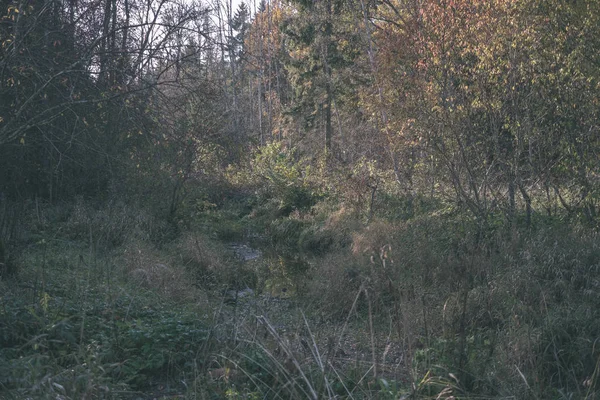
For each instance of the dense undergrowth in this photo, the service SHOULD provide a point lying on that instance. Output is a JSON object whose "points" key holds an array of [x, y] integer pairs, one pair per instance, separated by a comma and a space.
{"points": [[354, 297]]}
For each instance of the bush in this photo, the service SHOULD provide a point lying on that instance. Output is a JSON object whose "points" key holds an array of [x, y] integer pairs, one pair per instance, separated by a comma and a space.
{"points": [[285, 178], [335, 283]]}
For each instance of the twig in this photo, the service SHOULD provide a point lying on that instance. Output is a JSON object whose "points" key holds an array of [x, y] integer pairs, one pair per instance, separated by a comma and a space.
{"points": [[288, 352]]}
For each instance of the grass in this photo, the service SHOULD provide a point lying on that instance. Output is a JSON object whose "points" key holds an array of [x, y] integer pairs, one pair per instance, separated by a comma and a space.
{"points": [[73, 327], [422, 307]]}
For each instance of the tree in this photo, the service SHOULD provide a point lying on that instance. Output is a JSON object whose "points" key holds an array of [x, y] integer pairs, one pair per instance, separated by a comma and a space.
{"points": [[265, 55], [66, 94], [321, 42]]}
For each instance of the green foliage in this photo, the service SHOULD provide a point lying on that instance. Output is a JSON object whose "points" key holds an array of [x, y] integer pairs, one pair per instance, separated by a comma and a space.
{"points": [[314, 239], [111, 224], [286, 231], [8, 266], [225, 224], [156, 343], [77, 323], [285, 178], [257, 364]]}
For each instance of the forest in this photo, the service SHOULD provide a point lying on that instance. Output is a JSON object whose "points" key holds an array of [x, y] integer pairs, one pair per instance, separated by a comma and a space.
{"points": [[299, 199]]}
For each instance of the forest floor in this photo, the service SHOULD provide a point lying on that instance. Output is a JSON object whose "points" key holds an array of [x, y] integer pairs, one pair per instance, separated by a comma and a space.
{"points": [[133, 323], [100, 305]]}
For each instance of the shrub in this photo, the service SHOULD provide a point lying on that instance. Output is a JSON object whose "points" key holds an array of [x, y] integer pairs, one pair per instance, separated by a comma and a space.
{"points": [[284, 178], [335, 283]]}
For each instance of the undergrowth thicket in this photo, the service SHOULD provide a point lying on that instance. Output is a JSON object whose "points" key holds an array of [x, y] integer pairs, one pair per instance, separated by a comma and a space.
{"points": [[355, 296]]}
